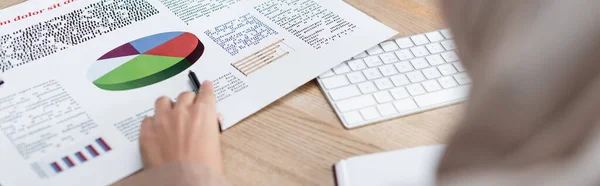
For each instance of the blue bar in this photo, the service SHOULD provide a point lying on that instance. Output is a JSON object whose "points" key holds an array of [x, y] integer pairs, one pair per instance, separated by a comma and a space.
{"points": [[102, 145], [67, 162], [91, 151], [80, 158], [55, 168]]}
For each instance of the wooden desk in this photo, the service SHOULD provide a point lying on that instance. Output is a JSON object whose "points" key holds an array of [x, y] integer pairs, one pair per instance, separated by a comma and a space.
{"points": [[296, 140]]}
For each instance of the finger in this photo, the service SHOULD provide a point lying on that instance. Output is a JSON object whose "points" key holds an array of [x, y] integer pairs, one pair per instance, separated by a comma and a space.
{"points": [[220, 118], [145, 130], [145, 127], [185, 99], [163, 104], [144, 140], [206, 94]]}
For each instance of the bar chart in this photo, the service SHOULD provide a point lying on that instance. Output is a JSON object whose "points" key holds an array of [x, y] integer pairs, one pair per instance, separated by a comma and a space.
{"points": [[263, 57], [55, 165]]}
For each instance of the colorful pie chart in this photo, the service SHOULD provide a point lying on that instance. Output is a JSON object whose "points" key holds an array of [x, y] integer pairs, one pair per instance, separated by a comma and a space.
{"points": [[146, 61]]}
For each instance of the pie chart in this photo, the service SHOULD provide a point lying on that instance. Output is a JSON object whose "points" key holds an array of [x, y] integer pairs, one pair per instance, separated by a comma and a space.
{"points": [[145, 61]]}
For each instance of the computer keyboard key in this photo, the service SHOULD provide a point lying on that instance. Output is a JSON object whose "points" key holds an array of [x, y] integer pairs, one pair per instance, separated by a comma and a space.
{"points": [[450, 56], [329, 73], [448, 82], [434, 36], [415, 76], [342, 69], [335, 82], [448, 45], [372, 73], [419, 63], [419, 39], [387, 109], [353, 117], [400, 80], [344, 92], [435, 60], [463, 78], [442, 96], [459, 66], [356, 77], [389, 46], [415, 89], [370, 113], [375, 50], [358, 64], [431, 85], [405, 105], [367, 87], [435, 48], [447, 34], [384, 83], [356, 103], [361, 55], [419, 51], [388, 70], [431, 73], [447, 69], [373, 61], [404, 66], [383, 97], [404, 55], [404, 43], [399, 93], [388, 58]]}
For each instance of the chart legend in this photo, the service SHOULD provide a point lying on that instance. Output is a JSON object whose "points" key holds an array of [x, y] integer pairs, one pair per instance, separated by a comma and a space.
{"points": [[146, 61]]}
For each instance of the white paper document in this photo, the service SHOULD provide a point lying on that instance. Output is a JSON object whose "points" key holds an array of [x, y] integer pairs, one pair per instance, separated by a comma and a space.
{"points": [[80, 75], [406, 167]]}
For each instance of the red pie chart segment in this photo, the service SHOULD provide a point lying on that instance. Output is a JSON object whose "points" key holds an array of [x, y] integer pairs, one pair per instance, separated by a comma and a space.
{"points": [[176, 47]]}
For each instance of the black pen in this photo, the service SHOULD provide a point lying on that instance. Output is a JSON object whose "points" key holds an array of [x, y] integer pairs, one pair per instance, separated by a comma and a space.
{"points": [[195, 83]]}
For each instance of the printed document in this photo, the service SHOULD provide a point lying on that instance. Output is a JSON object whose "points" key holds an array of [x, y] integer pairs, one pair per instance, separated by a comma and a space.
{"points": [[80, 75]]}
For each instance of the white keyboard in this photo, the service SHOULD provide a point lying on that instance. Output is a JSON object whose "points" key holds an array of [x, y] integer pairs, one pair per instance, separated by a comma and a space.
{"points": [[397, 78]]}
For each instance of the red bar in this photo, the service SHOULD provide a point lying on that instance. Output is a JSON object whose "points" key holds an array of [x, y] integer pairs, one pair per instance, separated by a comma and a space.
{"points": [[57, 166], [94, 150], [105, 144], [82, 156], [70, 162]]}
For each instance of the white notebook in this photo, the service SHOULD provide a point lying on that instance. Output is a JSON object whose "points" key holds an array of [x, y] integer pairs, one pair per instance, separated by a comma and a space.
{"points": [[415, 166]]}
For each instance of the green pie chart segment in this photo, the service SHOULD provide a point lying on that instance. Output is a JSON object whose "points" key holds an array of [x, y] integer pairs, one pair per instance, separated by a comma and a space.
{"points": [[141, 71], [146, 61]]}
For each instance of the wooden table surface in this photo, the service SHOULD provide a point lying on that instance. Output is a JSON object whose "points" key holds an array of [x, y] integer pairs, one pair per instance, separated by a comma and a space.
{"points": [[297, 139]]}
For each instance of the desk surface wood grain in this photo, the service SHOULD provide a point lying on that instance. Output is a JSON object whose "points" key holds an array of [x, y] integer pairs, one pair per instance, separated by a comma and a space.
{"points": [[297, 139]]}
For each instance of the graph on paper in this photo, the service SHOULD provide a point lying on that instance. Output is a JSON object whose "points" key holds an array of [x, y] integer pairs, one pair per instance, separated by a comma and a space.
{"points": [[263, 57], [72, 158], [146, 61]]}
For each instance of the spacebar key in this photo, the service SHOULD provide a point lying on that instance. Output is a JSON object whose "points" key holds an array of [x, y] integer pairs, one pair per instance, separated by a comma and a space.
{"points": [[443, 96]]}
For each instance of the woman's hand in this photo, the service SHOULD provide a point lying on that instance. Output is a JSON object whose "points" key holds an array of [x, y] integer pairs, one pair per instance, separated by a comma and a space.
{"points": [[185, 131]]}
